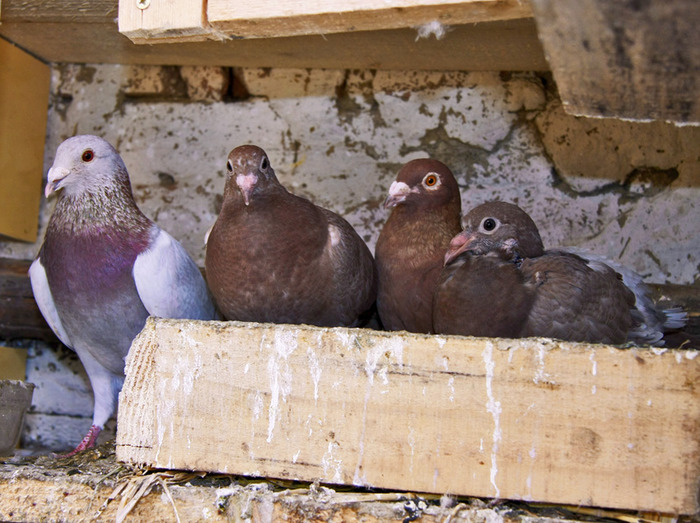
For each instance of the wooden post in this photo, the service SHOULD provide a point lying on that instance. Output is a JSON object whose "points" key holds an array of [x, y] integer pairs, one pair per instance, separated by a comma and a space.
{"points": [[528, 419], [24, 101]]}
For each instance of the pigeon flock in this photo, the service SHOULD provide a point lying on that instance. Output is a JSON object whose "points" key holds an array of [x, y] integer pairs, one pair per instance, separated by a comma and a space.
{"points": [[272, 256]]}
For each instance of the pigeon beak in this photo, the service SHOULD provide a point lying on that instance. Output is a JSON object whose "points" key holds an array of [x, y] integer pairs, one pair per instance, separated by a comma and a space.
{"points": [[54, 178], [246, 184], [397, 194], [459, 244]]}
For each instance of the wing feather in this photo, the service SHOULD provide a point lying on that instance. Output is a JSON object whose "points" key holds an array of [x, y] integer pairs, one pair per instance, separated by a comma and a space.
{"points": [[169, 282]]}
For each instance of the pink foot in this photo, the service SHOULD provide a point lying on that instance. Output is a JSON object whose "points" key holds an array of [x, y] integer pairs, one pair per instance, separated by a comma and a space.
{"points": [[88, 442]]}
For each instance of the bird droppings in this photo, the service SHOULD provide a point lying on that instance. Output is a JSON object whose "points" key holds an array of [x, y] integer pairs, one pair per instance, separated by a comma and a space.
{"points": [[494, 408]]}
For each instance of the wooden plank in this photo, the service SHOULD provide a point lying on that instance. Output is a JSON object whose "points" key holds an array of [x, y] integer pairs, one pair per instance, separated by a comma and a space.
{"points": [[24, 99], [92, 36], [636, 60], [19, 314], [530, 419], [13, 363], [150, 21], [93, 487], [292, 17]]}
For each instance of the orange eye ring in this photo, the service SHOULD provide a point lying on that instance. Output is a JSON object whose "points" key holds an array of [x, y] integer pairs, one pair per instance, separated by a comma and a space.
{"points": [[88, 155], [430, 180]]}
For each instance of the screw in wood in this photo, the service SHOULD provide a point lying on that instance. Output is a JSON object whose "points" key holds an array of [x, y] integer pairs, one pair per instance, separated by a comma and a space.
{"points": [[143, 4]]}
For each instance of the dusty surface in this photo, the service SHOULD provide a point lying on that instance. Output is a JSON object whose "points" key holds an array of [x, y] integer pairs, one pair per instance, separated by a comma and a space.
{"points": [[93, 486]]}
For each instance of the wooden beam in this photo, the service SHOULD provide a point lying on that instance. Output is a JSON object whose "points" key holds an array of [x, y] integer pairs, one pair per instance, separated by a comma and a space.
{"points": [[19, 314], [90, 35], [291, 18], [93, 487], [530, 419], [634, 60], [157, 21]]}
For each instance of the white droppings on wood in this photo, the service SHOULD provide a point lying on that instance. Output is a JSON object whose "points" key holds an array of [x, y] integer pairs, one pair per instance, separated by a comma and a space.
{"points": [[691, 354], [314, 368], [332, 464], [594, 363], [393, 348], [279, 373], [494, 408], [540, 375], [451, 388], [445, 363]]}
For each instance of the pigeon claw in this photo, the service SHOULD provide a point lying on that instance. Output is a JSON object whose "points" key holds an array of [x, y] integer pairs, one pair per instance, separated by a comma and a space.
{"points": [[88, 442]]}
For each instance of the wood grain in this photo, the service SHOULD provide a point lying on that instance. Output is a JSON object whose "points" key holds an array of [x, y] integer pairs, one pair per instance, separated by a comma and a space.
{"points": [[292, 18], [530, 419], [635, 60]]}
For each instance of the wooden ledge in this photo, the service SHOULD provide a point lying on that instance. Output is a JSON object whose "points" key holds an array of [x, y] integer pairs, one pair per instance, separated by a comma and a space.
{"points": [[532, 419]]}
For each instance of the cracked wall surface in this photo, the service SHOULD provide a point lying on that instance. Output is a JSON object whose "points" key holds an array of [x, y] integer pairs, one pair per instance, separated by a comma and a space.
{"points": [[626, 190], [623, 189]]}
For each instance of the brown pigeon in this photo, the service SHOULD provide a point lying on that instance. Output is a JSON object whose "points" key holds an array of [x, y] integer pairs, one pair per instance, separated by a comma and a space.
{"points": [[276, 257], [533, 292], [104, 267], [411, 247]]}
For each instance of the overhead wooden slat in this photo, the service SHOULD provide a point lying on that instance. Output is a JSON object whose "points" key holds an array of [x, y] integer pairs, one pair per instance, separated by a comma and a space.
{"points": [[89, 34], [292, 17]]}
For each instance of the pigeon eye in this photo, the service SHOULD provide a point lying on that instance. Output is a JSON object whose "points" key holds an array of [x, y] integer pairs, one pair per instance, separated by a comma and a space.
{"points": [[430, 180], [229, 166], [88, 155], [489, 224], [264, 164]]}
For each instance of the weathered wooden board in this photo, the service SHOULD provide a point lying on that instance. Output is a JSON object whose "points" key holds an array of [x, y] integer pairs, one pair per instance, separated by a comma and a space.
{"points": [[148, 21], [24, 100], [157, 21], [20, 316], [87, 33], [529, 419], [92, 487], [294, 17], [624, 59]]}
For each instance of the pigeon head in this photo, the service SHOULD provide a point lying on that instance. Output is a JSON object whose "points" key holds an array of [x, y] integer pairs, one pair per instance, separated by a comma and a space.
{"points": [[499, 228], [423, 183], [85, 164], [249, 171]]}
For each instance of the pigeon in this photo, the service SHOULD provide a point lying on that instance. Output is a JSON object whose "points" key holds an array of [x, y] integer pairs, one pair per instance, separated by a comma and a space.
{"points": [[104, 267], [426, 212], [274, 257], [532, 292]]}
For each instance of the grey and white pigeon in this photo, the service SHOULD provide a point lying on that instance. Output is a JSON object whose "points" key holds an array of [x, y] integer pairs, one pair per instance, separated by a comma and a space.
{"points": [[275, 257], [499, 278], [104, 267], [426, 212]]}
